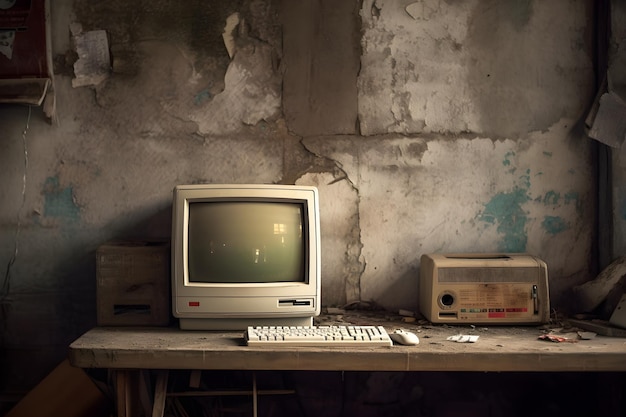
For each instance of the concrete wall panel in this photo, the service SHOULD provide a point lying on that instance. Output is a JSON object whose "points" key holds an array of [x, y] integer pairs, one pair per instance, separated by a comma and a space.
{"points": [[420, 196], [478, 66]]}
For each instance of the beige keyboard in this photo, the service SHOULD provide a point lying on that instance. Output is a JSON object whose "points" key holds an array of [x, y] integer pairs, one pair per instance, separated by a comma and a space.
{"points": [[317, 336]]}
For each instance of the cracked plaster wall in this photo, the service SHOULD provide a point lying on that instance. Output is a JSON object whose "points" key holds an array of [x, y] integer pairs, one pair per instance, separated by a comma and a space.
{"points": [[427, 126]]}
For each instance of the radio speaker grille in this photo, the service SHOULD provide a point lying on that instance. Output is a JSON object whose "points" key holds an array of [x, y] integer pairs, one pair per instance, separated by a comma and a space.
{"points": [[487, 275]]}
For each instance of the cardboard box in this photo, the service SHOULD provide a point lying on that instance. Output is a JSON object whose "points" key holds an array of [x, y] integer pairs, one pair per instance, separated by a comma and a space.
{"points": [[133, 283], [67, 391]]}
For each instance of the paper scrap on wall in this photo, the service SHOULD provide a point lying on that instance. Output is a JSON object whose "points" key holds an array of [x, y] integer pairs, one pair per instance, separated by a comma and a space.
{"points": [[609, 124], [94, 61]]}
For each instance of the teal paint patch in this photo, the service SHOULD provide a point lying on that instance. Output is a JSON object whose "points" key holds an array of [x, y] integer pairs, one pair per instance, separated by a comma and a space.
{"points": [[554, 224], [507, 162], [571, 196], [526, 179], [574, 197], [548, 154], [505, 210], [551, 198], [202, 97], [59, 202]]}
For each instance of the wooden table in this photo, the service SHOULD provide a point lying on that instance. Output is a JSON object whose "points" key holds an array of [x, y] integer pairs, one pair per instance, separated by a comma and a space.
{"points": [[498, 349], [508, 349]]}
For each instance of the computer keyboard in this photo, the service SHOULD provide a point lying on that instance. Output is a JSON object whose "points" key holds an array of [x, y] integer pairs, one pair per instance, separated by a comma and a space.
{"points": [[317, 336]]}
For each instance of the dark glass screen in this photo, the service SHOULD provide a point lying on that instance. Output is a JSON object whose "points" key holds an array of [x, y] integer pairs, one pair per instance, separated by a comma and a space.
{"points": [[246, 242]]}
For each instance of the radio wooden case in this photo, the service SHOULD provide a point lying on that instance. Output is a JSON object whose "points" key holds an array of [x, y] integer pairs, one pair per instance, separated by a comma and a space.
{"points": [[484, 289]]}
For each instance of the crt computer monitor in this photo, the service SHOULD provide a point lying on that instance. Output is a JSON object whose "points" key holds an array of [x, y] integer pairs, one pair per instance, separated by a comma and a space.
{"points": [[245, 255]]}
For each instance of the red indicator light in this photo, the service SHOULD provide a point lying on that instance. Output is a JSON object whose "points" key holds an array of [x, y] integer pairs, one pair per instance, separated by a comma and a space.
{"points": [[194, 304]]}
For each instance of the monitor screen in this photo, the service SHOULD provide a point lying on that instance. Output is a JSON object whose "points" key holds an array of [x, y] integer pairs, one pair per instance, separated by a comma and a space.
{"points": [[246, 242]]}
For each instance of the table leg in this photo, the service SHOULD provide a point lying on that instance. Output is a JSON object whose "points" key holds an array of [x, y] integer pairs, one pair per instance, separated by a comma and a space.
{"points": [[122, 387], [160, 394], [254, 396]]}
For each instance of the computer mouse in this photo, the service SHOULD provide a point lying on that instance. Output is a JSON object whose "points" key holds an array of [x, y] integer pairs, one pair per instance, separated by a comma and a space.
{"points": [[404, 338]]}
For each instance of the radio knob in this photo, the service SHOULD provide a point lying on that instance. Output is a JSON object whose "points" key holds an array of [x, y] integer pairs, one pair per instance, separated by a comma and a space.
{"points": [[447, 300]]}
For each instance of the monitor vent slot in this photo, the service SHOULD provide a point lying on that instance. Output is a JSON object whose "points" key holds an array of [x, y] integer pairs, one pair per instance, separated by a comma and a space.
{"points": [[295, 302]]}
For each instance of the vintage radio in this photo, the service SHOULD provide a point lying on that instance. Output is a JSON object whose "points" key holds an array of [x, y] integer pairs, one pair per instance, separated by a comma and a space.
{"points": [[484, 289]]}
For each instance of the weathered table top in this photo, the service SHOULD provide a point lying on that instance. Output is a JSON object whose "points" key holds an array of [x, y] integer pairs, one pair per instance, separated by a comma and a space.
{"points": [[501, 348]]}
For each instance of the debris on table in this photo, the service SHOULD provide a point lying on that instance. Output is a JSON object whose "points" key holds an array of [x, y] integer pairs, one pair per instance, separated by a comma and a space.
{"points": [[463, 338], [587, 335], [556, 339]]}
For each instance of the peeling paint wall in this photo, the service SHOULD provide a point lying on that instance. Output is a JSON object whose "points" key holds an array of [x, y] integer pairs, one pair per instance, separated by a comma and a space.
{"points": [[427, 126], [475, 66], [420, 196]]}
